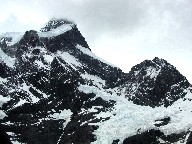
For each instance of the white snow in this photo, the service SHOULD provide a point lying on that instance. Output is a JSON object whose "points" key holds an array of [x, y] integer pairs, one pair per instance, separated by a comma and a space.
{"points": [[3, 80], [94, 109], [152, 72], [40, 92], [16, 142], [32, 98], [89, 53], [61, 115], [41, 65], [71, 60], [2, 114], [90, 89], [181, 116], [65, 114], [127, 119], [96, 81], [48, 58], [162, 141], [13, 139], [8, 123], [55, 32], [131, 88], [7, 59], [104, 115], [21, 102], [3, 100], [16, 36]]}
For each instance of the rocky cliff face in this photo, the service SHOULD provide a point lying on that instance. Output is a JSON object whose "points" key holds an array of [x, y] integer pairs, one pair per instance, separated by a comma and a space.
{"points": [[155, 83], [54, 90]]}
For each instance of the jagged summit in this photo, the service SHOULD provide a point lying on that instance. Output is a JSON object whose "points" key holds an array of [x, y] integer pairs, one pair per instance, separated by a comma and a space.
{"points": [[154, 83], [56, 35], [156, 63], [54, 90], [160, 61], [55, 23]]}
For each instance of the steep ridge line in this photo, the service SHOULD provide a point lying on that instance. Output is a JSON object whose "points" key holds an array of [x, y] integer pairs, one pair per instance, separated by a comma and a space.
{"points": [[55, 90]]}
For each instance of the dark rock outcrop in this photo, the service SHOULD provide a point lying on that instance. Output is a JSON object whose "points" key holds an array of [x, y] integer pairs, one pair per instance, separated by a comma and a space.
{"points": [[56, 87], [4, 138], [155, 83]]}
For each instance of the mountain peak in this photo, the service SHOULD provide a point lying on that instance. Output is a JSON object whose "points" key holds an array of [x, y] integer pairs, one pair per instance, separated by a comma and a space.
{"points": [[55, 23], [159, 61], [156, 82], [55, 90]]}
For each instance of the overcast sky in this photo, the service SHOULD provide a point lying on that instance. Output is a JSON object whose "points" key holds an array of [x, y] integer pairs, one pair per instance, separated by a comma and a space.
{"points": [[123, 32]]}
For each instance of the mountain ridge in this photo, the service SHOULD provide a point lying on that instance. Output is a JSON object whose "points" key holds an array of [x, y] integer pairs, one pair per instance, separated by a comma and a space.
{"points": [[58, 91]]}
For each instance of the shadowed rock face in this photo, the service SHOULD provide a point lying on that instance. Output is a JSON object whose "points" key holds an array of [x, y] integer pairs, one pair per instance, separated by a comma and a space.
{"points": [[156, 137], [155, 83], [67, 40], [4, 138], [60, 92], [144, 138]]}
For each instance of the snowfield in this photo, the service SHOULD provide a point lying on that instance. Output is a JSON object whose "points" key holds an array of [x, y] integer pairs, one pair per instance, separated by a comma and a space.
{"points": [[15, 37], [91, 54], [7, 59], [128, 119]]}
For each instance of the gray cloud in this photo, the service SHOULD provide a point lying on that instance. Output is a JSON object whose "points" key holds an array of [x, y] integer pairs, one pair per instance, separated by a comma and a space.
{"points": [[94, 17], [98, 17], [129, 31], [112, 17]]}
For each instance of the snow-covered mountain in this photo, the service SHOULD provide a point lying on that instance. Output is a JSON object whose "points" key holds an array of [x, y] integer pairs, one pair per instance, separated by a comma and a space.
{"points": [[54, 90]]}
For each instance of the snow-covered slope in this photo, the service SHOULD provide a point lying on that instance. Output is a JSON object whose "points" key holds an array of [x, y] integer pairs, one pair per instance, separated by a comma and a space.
{"points": [[11, 38], [55, 90]]}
